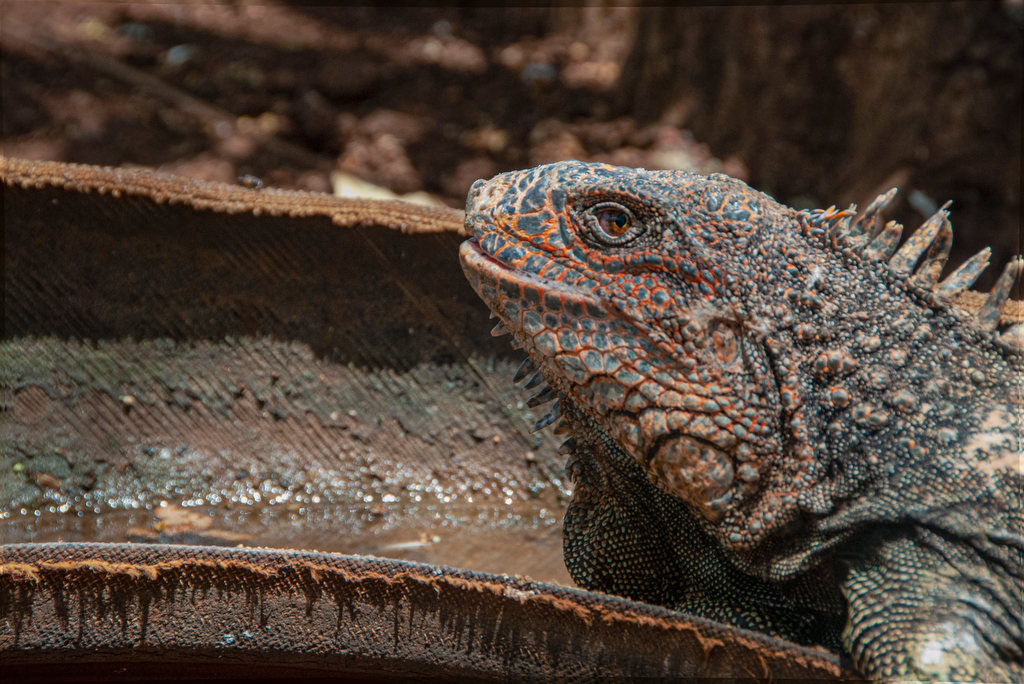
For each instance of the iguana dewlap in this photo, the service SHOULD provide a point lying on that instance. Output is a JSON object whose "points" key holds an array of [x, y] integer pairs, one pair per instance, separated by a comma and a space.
{"points": [[776, 419]]}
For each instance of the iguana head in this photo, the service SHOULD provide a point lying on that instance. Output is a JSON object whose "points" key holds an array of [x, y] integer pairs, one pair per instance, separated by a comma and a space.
{"points": [[695, 320], [794, 380], [629, 288]]}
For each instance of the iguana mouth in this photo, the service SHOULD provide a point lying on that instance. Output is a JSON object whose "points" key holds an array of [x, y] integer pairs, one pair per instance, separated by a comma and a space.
{"points": [[501, 284], [472, 253]]}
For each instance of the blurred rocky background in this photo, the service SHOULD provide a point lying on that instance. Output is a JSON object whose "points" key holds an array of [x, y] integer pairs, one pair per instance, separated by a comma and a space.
{"points": [[816, 105]]}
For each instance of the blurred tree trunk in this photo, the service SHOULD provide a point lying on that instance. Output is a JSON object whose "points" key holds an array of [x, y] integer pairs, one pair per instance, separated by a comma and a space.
{"points": [[833, 103]]}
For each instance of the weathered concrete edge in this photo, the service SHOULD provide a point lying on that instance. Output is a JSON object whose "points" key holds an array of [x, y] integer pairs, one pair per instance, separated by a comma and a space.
{"points": [[226, 198], [519, 605]]}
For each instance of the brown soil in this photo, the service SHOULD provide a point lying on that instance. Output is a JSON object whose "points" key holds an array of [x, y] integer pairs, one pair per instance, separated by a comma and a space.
{"points": [[411, 99]]}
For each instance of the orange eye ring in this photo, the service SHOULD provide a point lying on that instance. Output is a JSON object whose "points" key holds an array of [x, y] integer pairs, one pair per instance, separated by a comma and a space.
{"points": [[614, 224]]}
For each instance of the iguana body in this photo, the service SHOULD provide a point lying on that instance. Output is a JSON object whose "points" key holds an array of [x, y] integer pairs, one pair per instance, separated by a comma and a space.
{"points": [[775, 420]]}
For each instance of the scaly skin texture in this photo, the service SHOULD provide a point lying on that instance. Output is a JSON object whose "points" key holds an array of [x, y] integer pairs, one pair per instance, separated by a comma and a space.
{"points": [[775, 421]]}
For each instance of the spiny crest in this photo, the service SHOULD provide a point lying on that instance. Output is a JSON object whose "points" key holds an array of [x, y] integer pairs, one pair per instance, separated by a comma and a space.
{"points": [[867, 236], [528, 369]]}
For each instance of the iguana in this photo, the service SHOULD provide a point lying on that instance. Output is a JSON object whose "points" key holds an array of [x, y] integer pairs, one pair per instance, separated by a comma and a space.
{"points": [[73, 238], [775, 419]]}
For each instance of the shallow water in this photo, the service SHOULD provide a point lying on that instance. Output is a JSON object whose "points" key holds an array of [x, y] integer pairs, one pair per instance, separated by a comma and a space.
{"points": [[519, 540]]}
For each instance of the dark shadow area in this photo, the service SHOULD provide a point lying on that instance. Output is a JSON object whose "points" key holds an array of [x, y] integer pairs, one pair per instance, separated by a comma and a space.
{"points": [[86, 266]]}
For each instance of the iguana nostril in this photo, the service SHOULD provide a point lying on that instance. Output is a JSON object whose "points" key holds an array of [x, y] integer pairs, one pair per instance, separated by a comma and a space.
{"points": [[484, 195], [474, 194]]}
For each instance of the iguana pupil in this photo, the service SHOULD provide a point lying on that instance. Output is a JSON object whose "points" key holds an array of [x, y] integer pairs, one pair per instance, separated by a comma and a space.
{"points": [[614, 222]]}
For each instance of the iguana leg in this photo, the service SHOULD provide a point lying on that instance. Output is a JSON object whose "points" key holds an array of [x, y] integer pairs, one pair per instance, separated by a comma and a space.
{"points": [[921, 607]]}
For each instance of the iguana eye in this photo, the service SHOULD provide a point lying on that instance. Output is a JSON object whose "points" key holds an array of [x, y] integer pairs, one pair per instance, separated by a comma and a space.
{"points": [[614, 224]]}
